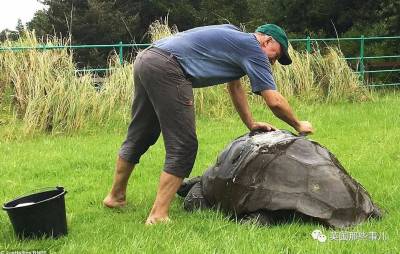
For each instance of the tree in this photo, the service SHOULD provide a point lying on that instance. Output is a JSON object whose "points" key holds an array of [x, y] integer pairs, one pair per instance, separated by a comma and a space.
{"points": [[41, 24], [7, 34], [20, 27], [12, 35], [391, 15]]}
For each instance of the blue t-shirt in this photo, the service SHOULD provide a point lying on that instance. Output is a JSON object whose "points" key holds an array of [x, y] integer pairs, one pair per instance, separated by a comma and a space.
{"points": [[217, 54]]}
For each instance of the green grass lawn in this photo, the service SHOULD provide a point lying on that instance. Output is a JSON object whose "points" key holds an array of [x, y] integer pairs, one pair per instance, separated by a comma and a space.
{"points": [[364, 136]]}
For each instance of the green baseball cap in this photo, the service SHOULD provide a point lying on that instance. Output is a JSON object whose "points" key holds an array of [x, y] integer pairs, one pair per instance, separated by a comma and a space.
{"points": [[280, 36]]}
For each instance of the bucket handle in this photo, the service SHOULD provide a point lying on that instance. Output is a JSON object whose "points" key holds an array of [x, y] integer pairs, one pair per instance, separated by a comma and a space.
{"points": [[39, 189]]}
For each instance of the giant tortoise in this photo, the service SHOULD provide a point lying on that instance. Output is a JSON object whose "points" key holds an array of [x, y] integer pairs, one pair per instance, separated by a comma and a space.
{"points": [[277, 176]]}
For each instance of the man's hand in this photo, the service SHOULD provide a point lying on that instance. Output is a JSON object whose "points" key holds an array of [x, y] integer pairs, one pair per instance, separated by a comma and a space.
{"points": [[281, 108], [261, 126], [304, 128]]}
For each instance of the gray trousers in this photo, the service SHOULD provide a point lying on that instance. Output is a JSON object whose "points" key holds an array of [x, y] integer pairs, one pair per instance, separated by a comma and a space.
{"points": [[163, 102]]}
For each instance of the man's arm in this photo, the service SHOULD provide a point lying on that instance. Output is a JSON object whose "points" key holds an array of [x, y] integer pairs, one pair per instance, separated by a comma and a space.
{"points": [[239, 100], [281, 109]]}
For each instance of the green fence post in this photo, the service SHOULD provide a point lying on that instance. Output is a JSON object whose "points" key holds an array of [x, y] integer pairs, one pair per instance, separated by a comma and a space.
{"points": [[362, 67], [308, 44], [121, 52]]}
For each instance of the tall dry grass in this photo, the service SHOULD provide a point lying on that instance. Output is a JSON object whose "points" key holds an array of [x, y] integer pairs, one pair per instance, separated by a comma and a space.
{"points": [[320, 77], [160, 29], [3, 83], [49, 96], [115, 96]]}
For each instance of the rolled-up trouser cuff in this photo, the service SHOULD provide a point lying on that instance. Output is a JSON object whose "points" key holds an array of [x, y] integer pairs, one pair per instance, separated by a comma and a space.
{"points": [[181, 166], [131, 152], [128, 157]]}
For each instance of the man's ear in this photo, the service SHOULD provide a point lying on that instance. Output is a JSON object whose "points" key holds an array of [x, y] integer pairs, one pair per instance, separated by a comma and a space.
{"points": [[267, 39]]}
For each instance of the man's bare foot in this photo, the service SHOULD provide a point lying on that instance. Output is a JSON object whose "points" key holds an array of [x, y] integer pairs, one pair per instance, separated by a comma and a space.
{"points": [[113, 202], [157, 220]]}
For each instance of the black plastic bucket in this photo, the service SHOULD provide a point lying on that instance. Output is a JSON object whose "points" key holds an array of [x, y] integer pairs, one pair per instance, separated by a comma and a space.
{"points": [[39, 214]]}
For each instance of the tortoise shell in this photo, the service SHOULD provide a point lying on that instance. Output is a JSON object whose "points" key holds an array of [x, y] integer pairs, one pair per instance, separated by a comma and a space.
{"points": [[272, 173]]}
